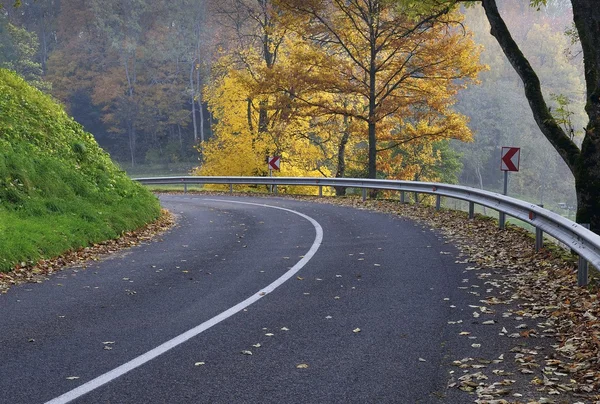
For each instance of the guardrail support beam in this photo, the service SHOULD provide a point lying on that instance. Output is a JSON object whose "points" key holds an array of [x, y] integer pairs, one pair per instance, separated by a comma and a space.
{"points": [[502, 221], [416, 198], [364, 194], [402, 197], [438, 202], [582, 269], [184, 188], [275, 189], [539, 239], [231, 188], [539, 236], [320, 190], [471, 210]]}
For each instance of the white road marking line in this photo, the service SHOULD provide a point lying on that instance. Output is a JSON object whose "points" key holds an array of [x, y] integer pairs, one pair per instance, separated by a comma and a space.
{"points": [[180, 339]]}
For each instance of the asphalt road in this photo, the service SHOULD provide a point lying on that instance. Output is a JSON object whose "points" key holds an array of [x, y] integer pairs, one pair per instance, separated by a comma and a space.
{"points": [[365, 315]]}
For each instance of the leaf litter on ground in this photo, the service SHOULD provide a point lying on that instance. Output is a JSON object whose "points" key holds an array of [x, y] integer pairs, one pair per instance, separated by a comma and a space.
{"points": [[36, 272]]}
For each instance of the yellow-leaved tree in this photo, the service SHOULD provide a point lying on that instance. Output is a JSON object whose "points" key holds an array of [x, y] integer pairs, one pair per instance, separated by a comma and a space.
{"points": [[401, 73], [338, 87]]}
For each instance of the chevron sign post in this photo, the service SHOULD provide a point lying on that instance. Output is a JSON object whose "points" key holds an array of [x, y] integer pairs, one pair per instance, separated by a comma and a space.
{"points": [[273, 162], [509, 161]]}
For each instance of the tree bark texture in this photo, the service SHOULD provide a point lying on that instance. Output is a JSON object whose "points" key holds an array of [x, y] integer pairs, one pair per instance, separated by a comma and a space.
{"points": [[586, 15]]}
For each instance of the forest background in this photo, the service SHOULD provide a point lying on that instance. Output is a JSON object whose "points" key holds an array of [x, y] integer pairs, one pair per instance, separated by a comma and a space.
{"points": [[165, 87]]}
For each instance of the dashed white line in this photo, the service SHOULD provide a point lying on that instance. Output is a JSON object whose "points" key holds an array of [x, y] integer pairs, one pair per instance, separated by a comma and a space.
{"points": [[180, 339]]}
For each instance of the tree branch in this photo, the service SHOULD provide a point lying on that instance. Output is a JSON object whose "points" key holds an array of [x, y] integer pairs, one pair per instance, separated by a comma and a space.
{"points": [[563, 144]]}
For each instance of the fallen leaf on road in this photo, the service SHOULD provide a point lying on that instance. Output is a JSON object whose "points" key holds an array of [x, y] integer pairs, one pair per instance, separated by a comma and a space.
{"points": [[302, 366], [199, 364], [72, 377]]}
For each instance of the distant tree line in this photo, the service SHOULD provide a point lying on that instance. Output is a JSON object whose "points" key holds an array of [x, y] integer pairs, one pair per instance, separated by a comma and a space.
{"points": [[131, 72]]}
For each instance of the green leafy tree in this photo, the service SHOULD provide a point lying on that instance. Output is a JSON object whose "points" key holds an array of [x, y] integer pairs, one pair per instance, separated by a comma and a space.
{"points": [[18, 48]]}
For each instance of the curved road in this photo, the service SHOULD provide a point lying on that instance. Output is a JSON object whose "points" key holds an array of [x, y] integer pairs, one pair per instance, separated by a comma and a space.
{"points": [[364, 316]]}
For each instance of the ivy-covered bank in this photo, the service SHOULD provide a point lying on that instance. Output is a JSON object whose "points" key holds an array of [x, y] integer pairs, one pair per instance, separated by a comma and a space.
{"points": [[58, 189]]}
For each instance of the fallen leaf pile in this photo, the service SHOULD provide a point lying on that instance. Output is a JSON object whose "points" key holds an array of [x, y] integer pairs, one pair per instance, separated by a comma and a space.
{"points": [[38, 271]]}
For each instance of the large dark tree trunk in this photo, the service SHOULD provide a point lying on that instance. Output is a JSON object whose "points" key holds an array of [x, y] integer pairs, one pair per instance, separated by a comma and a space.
{"points": [[584, 163], [586, 15]]}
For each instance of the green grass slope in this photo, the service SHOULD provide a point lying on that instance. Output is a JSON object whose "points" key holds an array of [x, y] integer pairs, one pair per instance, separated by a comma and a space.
{"points": [[58, 189]]}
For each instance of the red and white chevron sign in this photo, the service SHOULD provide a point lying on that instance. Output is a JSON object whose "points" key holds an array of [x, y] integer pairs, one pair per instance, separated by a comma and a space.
{"points": [[509, 161], [274, 162]]}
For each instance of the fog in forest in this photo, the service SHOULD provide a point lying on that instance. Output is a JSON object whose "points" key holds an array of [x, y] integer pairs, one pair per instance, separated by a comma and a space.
{"points": [[154, 82]]}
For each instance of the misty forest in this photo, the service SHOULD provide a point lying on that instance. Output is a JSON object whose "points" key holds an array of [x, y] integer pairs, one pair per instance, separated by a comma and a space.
{"points": [[214, 87]]}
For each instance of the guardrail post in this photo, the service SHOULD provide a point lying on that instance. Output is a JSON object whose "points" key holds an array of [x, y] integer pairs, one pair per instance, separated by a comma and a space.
{"points": [[185, 188], [502, 221], [275, 189], [364, 194], [320, 190], [438, 202], [539, 237], [471, 210], [402, 197], [582, 269], [231, 188], [416, 198]]}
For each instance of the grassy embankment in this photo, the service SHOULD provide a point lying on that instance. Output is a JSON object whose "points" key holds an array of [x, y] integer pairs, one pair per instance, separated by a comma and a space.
{"points": [[58, 190]]}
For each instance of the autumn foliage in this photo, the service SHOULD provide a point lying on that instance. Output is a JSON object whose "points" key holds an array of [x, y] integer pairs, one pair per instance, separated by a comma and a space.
{"points": [[337, 88]]}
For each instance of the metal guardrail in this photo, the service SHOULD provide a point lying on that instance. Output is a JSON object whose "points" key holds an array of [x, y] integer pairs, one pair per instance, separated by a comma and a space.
{"points": [[575, 236]]}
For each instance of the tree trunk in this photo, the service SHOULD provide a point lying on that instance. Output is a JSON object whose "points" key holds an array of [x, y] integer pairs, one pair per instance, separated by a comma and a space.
{"points": [[371, 123], [341, 164], [586, 15], [587, 181], [249, 115], [193, 101], [201, 110], [199, 100], [132, 134], [372, 113], [263, 117], [131, 77], [478, 171]]}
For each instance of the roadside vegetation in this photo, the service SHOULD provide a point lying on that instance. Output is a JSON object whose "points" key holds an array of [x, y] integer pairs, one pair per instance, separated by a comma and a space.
{"points": [[59, 190]]}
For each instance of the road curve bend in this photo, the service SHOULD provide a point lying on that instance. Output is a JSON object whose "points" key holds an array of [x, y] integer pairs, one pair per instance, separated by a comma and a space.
{"points": [[246, 300]]}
